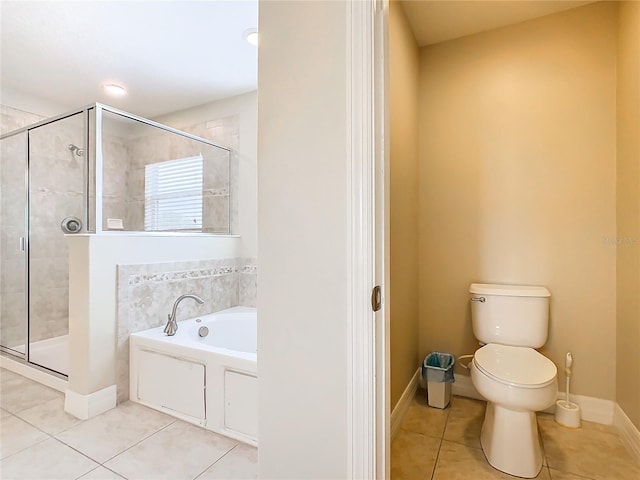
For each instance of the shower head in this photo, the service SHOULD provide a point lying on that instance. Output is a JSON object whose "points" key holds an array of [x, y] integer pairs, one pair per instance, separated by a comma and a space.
{"points": [[74, 149]]}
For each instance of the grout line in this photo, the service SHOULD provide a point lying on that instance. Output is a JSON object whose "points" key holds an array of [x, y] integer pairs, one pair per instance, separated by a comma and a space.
{"points": [[106, 468], [78, 451], [23, 449], [221, 457], [137, 443], [435, 463]]}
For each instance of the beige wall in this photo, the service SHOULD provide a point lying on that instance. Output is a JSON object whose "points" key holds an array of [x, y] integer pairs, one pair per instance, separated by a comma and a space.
{"points": [[404, 63], [303, 231], [628, 212], [517, 182]]}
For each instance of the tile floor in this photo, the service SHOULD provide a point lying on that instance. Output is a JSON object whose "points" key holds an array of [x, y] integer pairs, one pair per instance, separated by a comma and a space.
{"points": [[39, 441], [445, 445]]}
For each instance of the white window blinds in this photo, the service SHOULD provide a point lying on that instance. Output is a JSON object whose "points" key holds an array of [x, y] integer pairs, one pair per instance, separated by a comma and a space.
{"points": [[173, 195]]}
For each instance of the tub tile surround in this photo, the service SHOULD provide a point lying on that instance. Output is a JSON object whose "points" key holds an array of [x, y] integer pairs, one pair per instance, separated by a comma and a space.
{"points": [[130, 441], [146, 294], [248, 282], [445, 445]]}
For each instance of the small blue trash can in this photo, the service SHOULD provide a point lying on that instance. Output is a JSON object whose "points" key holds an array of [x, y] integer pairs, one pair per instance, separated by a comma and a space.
{"points": [[437, 370]]}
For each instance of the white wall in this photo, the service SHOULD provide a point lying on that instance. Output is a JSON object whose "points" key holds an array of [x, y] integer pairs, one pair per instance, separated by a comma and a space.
{"points": [[303, 231], [44, 107]]}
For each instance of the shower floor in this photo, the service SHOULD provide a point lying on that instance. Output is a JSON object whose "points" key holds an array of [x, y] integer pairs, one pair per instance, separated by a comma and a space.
{"points": [[52, 353]]}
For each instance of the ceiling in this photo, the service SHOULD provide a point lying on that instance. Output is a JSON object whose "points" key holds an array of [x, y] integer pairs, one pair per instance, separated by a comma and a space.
{"points": [[176, 54], [434, 21], [170, 55]]}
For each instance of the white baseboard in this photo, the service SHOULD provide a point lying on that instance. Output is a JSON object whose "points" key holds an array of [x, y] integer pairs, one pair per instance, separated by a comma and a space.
{"points": [[627, 430], [463, 387], [33, 373], [88, 406], [401, 408], [593, 409]]}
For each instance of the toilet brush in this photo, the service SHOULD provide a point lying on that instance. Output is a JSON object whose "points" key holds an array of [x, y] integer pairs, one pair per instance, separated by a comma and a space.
{"points": [[567, 372], [568, 413]]}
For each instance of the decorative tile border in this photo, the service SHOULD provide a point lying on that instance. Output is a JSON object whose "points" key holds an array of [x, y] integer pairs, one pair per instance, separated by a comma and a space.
{"points": [[182, 275]]}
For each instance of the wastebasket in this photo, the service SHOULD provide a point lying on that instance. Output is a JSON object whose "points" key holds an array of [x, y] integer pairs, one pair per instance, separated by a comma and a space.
{"points": [[437, 369]]}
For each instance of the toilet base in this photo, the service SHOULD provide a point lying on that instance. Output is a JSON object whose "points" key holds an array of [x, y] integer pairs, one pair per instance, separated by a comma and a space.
{"points": [[510, 441]]}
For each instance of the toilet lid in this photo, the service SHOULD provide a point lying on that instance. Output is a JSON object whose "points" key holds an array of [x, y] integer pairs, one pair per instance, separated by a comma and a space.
{"points": [[519, 366]]}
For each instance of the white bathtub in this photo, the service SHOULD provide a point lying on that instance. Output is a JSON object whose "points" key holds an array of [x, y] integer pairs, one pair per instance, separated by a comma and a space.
{"points": [[210, 381]]}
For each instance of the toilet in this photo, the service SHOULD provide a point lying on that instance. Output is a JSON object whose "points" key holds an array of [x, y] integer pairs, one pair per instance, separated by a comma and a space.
{"points": [[511, 321]]}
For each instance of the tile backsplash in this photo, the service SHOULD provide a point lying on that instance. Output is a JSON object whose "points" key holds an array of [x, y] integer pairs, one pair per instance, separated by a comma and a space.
{"points": [[146, 294]]}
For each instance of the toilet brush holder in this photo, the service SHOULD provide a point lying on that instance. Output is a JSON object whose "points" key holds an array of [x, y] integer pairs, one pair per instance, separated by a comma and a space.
{"points": [[568, 414]]}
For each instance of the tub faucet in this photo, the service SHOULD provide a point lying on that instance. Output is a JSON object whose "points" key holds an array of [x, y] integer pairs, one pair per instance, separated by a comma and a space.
{"points": [[172, 326]]}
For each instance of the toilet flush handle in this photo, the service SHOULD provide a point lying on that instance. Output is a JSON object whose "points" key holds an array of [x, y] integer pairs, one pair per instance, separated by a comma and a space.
{"points": [[478, 299]]}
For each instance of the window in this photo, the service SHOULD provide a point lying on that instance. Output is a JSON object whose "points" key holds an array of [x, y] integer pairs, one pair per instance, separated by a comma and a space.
{"points": [[173, 195]]}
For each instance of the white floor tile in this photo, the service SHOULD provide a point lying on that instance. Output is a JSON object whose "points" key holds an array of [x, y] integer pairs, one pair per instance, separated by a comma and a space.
{"points": [[49, 417], [50, 460], [239, 463], [16, 435], [8, 375], [18, 393], [111, 433], [180, 451]]}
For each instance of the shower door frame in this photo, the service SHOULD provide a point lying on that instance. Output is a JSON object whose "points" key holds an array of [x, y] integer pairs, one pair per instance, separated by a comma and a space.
{"points": [[100, 108], [25, 244], [93, 158]]}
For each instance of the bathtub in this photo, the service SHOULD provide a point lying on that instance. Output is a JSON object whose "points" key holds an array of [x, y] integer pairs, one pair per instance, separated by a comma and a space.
{"points": [[208, 380]]}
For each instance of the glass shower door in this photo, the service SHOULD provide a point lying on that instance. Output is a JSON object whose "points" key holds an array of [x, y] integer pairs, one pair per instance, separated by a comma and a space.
{"points": [[13, 261], [56, 206]]}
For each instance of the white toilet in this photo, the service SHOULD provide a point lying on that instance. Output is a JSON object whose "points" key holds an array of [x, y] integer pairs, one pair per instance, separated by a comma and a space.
{"points": [[511, 322]]}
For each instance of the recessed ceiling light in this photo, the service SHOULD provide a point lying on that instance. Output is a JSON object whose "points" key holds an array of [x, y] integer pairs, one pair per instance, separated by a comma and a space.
{"points": [[251, 36], [114, 89]]}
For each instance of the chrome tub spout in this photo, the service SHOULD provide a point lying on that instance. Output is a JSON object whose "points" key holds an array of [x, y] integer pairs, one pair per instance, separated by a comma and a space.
{"points": [[172, 326]]}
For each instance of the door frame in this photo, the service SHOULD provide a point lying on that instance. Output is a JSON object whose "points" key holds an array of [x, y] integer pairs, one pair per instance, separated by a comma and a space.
{"points": [[368, 341]]}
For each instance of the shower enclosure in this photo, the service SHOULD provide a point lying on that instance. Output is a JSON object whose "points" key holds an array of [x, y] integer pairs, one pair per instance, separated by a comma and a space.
{"points": [[96, 171]]}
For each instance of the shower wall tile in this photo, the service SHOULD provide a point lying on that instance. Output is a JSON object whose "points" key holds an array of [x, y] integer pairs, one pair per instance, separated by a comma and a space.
{"points": [[13, 331], [57, 183], [13, 275], [115, 177], [215, 213], [13, 119], [12, 219], [146, 294]]}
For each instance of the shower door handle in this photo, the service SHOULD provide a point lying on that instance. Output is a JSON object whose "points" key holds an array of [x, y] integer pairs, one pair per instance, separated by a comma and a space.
{"points": [[23, 244]]}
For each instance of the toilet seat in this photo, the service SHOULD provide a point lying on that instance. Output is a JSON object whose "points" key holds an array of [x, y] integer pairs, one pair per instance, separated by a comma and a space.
{"points": [[517, 366]]}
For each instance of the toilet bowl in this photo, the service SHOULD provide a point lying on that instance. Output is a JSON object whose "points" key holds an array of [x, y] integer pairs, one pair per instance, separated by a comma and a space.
{"points": [[511, 321], [517, 382]]}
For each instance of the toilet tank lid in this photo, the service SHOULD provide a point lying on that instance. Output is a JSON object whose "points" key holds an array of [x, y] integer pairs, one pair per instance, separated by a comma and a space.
{"points": [[509, 290]]}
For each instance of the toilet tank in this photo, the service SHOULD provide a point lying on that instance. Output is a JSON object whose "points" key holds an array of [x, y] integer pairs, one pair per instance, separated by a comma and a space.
{"points": [[515, 315]]}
